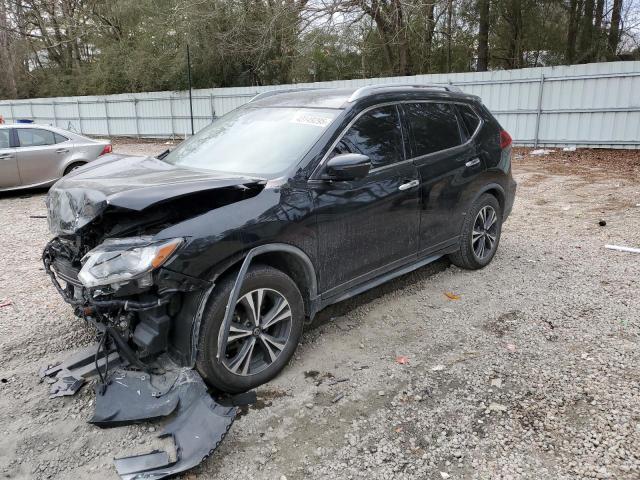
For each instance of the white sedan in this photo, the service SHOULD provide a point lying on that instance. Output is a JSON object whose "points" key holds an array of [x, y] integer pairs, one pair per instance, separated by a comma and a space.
{"points": [[37, 155]]}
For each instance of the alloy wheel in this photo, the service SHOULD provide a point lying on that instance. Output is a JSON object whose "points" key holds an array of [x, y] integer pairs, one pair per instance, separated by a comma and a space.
{"points": [[259, 331], [485, 232]]}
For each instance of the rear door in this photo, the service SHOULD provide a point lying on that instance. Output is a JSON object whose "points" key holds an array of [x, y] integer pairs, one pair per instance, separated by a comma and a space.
{"points": [[446, 162], [9, 175], [41, 155], [368, 226]]}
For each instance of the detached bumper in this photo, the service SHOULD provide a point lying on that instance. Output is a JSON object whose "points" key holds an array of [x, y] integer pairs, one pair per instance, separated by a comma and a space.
{"points": [[196, 422]]}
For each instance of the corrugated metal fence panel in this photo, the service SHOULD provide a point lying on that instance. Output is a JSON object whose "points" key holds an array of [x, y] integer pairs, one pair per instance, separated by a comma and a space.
{"points": [[584, 105]]}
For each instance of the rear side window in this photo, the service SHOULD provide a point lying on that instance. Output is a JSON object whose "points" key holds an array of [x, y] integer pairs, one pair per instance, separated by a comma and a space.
{"points": [[376, 134], [35, 137], [434, 127], [470, 119], [4, 138], [60, 138]]}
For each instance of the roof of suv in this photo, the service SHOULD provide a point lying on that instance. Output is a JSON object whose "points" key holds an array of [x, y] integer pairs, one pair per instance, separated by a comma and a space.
{"points": [[341, 97]]}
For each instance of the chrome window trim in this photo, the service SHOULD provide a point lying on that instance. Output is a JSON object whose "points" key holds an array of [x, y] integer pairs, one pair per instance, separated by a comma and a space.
{"points": [[316, 171]]}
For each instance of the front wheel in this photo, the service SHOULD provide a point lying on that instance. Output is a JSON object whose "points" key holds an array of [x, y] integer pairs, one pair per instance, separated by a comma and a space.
{"points": [[265, 330], [480, 234]]}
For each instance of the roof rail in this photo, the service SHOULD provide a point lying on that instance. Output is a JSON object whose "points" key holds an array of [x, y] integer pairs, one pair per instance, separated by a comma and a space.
{"points": [[271, 93], [369, 89]]}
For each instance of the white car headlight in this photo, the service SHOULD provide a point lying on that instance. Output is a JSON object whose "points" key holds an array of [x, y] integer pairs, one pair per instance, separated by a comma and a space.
{"points": [[123, 259]]}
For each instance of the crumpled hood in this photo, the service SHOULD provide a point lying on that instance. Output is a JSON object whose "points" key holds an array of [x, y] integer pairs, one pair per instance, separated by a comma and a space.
{"points": [[132, 183]]}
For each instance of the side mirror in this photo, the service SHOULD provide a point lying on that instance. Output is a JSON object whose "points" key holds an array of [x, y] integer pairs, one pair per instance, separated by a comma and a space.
{"points": [[347, 166]]}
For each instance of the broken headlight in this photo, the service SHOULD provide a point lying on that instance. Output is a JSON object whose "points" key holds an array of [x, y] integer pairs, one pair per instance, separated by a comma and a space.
{"points": [[120, 260]]}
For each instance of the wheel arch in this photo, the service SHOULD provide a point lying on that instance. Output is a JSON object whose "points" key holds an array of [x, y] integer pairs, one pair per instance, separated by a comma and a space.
{"points": [[70, 163], [494, 189], [285, 257]]}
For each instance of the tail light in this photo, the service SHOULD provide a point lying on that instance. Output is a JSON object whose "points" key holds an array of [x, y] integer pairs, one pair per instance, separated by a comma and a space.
{"points": [[505, 139], [107, 149]]}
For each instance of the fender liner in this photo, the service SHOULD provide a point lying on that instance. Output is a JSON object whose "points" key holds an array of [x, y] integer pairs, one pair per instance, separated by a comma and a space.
{"points": [[235, 291]]}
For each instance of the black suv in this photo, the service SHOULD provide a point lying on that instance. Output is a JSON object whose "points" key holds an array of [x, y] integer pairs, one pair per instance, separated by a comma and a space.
{"points": [[214, 255]]}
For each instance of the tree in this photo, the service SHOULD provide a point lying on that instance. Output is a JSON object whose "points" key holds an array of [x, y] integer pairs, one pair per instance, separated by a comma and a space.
{"points": [[483, 35], [614, 31]]}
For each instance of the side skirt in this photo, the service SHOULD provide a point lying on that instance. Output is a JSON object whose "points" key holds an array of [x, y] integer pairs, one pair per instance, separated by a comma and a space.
{"points": [[357, 290]]}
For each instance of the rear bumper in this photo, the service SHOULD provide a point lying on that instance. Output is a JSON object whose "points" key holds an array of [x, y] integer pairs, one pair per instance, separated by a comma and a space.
{"points": [[509, 198]]}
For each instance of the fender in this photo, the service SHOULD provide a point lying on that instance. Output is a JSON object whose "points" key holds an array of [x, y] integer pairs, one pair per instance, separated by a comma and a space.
{"points": [[485, 189], [235, 291], [310, 273]]}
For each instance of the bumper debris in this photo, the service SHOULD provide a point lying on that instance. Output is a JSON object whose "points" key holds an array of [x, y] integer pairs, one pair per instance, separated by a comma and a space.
{"points": [[196, 423]]}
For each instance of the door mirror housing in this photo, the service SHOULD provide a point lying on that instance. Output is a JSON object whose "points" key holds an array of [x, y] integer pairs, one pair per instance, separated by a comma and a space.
{"points": [[347, 166]]}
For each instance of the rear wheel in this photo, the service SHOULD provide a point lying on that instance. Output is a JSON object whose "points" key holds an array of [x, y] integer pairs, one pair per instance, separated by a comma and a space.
{"points": [[480, 234], [73, 167], [265, 330]]}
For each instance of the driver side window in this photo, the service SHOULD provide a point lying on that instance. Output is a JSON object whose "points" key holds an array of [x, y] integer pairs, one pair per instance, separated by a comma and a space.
{"points": [[376, 134]]}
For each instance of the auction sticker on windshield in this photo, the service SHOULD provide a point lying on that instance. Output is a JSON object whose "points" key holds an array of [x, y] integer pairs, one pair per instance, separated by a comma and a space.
{"points": [[316, 119]]}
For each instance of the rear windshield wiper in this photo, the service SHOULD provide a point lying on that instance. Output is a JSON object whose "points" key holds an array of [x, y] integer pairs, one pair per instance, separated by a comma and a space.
{"points": [[163, 154]]}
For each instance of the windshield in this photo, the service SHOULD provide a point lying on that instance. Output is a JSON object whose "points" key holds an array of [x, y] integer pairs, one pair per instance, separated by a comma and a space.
{"points": [[258, 141]]}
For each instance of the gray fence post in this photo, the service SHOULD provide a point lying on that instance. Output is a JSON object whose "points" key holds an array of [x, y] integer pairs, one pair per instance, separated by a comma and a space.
{"points": [[213, 110], [539, 111], [55, 115], [106, 116], [79, 116], [135, 109], [13, 113], [173, 128], [33, 117]]}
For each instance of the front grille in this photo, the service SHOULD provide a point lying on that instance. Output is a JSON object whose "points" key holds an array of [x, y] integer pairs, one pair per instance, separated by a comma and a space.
{"points": [[66, 271]]}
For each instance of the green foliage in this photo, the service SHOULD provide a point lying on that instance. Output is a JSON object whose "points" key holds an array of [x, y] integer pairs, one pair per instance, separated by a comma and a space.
{"points": [[83, 47]]}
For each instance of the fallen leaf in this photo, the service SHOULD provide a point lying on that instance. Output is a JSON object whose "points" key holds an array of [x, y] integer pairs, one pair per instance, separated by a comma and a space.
{"points": [[452, 296], [402, 360], [511, 347], [398, 430]]}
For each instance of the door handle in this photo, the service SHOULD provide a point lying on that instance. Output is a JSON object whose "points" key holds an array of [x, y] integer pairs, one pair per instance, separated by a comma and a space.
{"points": [[411, 184], [62, 150], [472, 163]]}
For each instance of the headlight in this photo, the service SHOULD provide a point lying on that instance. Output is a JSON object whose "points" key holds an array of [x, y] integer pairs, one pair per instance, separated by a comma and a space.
{"points": [[120, 260]]}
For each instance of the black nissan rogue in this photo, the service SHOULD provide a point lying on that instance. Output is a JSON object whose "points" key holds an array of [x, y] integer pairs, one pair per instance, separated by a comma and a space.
{"points": [[215, 254]]}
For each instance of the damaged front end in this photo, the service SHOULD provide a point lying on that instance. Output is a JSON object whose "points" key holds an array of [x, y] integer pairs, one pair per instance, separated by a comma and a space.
{"points": [[111, 263]]}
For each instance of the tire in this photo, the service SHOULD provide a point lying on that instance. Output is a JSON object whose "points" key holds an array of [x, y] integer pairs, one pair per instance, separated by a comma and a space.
{"points": [[72, 167], [470, 255], [261, 367]]}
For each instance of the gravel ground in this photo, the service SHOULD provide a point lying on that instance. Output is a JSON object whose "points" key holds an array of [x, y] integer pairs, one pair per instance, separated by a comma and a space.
{"points": [[533, 372]]}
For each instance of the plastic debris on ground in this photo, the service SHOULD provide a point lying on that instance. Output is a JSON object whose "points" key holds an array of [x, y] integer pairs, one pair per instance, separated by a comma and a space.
{"points": [[195, 422], [541, 151], [622, 248]]}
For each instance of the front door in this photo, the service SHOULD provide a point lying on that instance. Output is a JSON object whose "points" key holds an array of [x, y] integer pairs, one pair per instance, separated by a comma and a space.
{"points": [[9, 175], [367, 226]]}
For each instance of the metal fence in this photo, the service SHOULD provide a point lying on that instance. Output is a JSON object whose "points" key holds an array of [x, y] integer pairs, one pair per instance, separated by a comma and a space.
{"points": [[593, 105]]}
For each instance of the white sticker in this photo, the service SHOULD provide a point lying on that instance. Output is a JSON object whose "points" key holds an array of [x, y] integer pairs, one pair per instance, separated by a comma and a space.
{"points": [[311, 118]]}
